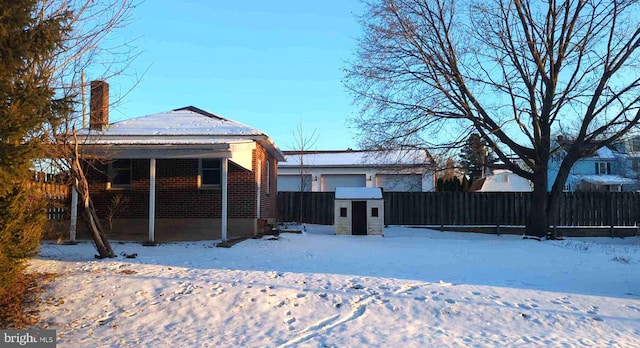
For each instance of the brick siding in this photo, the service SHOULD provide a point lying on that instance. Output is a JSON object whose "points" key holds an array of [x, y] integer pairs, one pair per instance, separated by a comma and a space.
{"points": [[268, 199], [177, 192]]}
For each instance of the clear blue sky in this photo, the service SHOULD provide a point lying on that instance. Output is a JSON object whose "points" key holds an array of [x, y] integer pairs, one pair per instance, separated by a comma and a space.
{"points": [[268, 64]]}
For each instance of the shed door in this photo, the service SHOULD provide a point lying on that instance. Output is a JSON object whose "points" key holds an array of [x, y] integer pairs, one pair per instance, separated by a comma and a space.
{"points": [[359, 218]]}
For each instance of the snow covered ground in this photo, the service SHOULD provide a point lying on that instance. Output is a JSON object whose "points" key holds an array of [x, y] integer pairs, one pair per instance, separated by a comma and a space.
{"points": [[411, 288]]}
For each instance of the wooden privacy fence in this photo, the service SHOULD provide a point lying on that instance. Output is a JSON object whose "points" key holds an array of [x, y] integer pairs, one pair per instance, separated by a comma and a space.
{"points": [[473, 208], [57, 196], [316, 207]]}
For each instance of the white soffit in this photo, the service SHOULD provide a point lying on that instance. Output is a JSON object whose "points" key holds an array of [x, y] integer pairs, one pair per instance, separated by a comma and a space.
{"points": [[242, 154]]}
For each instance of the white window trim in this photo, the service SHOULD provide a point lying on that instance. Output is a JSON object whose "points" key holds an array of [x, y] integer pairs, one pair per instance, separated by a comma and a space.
{"points": [[207, 186], [111, 173], [600, 165], [268, 176]]}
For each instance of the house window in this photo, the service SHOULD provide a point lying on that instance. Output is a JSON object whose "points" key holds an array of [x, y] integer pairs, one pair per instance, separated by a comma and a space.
{"points": [[614, 188], [268, 177], [635, 145], [343, 212], [120, 173], [603, 168], [210, 170], [374, 212]]}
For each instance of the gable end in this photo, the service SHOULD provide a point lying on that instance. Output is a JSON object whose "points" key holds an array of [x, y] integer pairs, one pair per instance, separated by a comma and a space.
{"points": [[200, 111]]}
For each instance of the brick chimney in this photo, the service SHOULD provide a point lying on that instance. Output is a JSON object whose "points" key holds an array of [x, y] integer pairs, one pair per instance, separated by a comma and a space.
{"points": [[99, 105]]}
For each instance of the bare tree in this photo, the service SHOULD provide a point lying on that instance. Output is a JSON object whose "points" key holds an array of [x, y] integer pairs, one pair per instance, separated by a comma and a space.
{"points": [[84, 51], [302, 143], [509, 70]]}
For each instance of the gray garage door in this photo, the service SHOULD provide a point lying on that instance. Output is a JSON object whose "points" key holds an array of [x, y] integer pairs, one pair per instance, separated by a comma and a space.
{"points": [[397, 182], [292, 183], [330, 182]]}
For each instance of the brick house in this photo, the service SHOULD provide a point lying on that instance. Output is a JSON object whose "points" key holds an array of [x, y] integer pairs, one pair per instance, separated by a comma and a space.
{"points": [[184, 174]]}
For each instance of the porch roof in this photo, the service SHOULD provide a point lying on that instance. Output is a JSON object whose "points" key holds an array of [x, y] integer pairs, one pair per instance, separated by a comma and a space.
{"points": [[605, 179]]}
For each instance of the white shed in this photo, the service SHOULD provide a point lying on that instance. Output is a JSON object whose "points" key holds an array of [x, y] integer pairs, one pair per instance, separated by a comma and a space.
{"points": [[359, 211]]}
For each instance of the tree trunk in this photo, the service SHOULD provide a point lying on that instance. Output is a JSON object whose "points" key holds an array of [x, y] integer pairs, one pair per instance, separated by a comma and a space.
{"points": [[538, 220], [97, 235], [557, 189]]}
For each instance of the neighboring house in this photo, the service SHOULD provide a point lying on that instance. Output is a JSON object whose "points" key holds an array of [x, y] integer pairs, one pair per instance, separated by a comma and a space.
{"points": [[608, 169], [184, 173], [627, 152], [501, 180], [323, 171]]}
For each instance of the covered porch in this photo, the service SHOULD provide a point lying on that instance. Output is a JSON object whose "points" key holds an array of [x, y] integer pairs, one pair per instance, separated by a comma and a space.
{"points": [[173, 191]]}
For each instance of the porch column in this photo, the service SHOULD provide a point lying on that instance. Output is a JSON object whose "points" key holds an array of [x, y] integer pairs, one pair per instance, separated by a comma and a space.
{"points": [[225, 170], [152, 200], [74, 214]]}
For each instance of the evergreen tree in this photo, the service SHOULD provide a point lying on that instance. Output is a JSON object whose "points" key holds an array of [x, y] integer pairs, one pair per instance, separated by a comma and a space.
{"points": [[475, 156], [450, 185], [29, 41]]}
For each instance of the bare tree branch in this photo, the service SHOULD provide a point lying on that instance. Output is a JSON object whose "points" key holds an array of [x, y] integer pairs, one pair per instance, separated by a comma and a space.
{"points": [[510, 70]]}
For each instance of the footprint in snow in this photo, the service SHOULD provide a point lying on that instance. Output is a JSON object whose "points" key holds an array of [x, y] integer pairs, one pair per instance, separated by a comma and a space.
{"points": [[105, 320], [635, 308], [449, 301], [573, 308], [356, 286]]}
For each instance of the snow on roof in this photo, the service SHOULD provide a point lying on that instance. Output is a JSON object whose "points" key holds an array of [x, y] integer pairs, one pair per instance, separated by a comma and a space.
{"points": [[505, 181], [600, 154], [602, 179], [357, 158], [358, 193], [184, 126], [605, 153], [159, 140], [184, 121]]}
